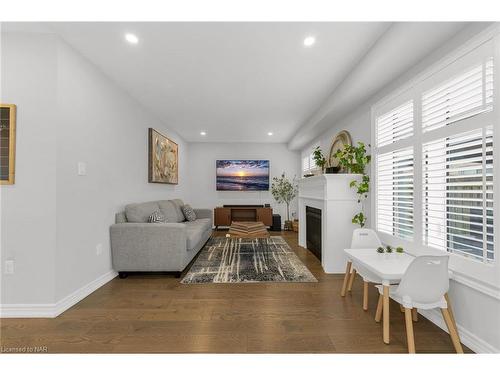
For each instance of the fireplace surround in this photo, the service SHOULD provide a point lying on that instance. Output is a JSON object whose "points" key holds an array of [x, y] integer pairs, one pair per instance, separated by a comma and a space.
{"points": [[338, 203]]}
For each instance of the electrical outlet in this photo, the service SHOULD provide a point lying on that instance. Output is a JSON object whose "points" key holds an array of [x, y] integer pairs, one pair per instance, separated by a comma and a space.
{"points": [[98, 249], [82, 168], [9, 267]]}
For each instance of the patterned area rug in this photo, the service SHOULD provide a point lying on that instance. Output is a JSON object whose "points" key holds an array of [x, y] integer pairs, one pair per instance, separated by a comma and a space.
{"points": [[244, 260]]}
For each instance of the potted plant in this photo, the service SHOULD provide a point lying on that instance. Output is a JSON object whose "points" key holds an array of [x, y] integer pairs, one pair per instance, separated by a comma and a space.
{"points": [[353, 159], [319, 158], [284, 191], [380, 251], [399, 250]]}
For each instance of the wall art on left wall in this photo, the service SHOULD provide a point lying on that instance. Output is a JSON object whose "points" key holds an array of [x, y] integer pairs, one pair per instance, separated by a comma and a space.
{"points": [[7, 143], [163, 159]]}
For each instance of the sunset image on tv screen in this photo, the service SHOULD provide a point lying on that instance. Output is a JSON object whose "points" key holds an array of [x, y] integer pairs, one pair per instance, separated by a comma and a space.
{"points": [[242, 175]]}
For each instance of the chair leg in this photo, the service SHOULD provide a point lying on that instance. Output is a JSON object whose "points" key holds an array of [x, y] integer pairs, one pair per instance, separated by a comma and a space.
{"points": [[346, 278], [351, 280], [409, 331], [385, 316], [378, 313], [414, 314], [450, 310], [365, 295], [452, 329]]}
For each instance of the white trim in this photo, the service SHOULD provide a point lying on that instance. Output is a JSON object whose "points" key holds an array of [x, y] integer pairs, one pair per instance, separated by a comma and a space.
{"points": [[52, 310], [476, 285], [469, 339]]}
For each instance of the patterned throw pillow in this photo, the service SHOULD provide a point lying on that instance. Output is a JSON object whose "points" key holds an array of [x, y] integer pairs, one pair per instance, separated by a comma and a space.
{"points": [[157, 217], [188, 212]]}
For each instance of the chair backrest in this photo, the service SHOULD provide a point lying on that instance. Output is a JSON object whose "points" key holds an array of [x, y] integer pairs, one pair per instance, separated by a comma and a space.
{"points": [[364, 239], [426, 280]]}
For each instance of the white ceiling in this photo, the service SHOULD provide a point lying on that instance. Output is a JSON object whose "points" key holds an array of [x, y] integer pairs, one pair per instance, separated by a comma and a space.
{"points": [[236, 81]]}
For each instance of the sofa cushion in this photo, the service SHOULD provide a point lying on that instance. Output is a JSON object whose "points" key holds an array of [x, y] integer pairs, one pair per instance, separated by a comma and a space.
{"points": [[139, 212], [178, 208], [202, 224], [168, 210], [195, 231], [188, 212]]}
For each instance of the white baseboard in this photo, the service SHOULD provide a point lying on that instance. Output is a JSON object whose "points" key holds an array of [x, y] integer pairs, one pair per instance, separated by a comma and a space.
{"points": [[55, 309], [467, 338]]}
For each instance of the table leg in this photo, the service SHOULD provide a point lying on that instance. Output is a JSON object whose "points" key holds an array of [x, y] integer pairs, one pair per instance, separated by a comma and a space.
{"points": [[385, 312]]}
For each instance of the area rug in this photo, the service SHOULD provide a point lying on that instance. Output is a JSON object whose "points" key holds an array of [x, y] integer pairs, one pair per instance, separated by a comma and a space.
{"points": [[247, 260]]}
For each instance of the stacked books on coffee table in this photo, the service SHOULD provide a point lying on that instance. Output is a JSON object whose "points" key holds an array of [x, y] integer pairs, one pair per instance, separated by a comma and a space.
{"points": [[248, 229]]}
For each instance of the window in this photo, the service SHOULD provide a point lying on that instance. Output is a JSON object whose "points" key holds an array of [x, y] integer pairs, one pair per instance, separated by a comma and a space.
{"points": [[394, 177], [395, 125], [395, 193], [308, 163], [458, 194], [464, 96], [434, 160]]}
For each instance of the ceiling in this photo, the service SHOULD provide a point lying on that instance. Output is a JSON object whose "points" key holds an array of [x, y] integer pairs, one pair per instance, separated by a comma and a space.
{"points": [[235, 81]]}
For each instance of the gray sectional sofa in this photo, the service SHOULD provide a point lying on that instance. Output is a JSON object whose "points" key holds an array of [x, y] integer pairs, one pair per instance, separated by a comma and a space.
{"points": [[137, 245]]}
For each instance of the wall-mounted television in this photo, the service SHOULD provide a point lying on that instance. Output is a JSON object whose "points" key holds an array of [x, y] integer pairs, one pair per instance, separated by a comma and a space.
{"points": [[242, 175]]}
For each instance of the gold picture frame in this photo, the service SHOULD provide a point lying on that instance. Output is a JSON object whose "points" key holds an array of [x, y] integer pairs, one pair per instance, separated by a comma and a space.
{"points": [[163, 159], [7, 143]]}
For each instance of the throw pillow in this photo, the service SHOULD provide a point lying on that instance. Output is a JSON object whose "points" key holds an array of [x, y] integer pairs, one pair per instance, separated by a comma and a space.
{"points": [[188, 212], [157, 217]]}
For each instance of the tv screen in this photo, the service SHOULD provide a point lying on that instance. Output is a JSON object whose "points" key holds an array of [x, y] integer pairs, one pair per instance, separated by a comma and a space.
{"points": [[242, 175]]}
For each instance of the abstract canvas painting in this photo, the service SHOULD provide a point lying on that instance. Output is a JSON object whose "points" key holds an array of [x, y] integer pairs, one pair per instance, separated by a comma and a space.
{"points": [[163, 159]]}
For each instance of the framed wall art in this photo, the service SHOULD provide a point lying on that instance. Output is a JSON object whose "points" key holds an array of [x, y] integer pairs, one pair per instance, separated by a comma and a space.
{"points": [[163, 159], [7, 143]]}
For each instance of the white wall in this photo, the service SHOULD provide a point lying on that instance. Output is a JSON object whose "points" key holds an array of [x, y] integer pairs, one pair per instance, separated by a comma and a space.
{"points": [[53, 219], [202, 173], [28, 208], [104, 127], [477, 310]]}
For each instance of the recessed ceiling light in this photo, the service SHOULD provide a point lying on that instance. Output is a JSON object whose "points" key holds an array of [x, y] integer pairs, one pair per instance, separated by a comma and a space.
{"points": [[203, 133], [131, 38], [309, 41], [270, 133]]}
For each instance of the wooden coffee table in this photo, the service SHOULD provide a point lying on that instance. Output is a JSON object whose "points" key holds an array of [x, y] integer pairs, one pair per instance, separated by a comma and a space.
{"points": [[248, 229]]}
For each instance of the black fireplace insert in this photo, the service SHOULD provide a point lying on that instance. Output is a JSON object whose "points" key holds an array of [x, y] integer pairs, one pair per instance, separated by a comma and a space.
{"points": [[313, 230]]}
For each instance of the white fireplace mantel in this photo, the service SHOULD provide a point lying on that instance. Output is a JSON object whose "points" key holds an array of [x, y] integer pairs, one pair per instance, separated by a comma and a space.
{"points": [[338, 203]]}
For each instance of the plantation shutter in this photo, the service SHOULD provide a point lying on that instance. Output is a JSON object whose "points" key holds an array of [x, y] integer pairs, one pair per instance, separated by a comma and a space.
{"points": [[395, 193], [464, 96], [457, 176], [395, 125]]}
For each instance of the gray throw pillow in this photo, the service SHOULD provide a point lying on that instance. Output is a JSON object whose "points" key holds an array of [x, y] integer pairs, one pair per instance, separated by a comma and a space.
{"points": [[188, 212], [157, 217]]}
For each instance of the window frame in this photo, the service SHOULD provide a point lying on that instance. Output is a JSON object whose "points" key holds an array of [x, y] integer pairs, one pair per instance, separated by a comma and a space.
{"points": [[477, 274]]}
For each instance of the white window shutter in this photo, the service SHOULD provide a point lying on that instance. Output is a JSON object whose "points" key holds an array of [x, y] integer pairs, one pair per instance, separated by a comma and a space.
{"points": [[395, 125], [457, 176], [395, 193], [463, 96]]}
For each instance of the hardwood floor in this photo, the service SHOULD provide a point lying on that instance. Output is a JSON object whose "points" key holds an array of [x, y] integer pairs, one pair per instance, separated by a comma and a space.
{"points": [[151, 314]]}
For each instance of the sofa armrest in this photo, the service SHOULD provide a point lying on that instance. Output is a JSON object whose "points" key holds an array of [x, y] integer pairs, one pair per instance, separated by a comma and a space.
{"points": [[147, 247], [203, 213]]}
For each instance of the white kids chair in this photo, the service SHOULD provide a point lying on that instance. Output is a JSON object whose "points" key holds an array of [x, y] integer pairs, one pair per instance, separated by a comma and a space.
{"points": [[424, 286], [361, 239]]}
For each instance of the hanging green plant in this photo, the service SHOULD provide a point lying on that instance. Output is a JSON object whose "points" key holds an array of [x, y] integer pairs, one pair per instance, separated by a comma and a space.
{"points": [[353, 159]]}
